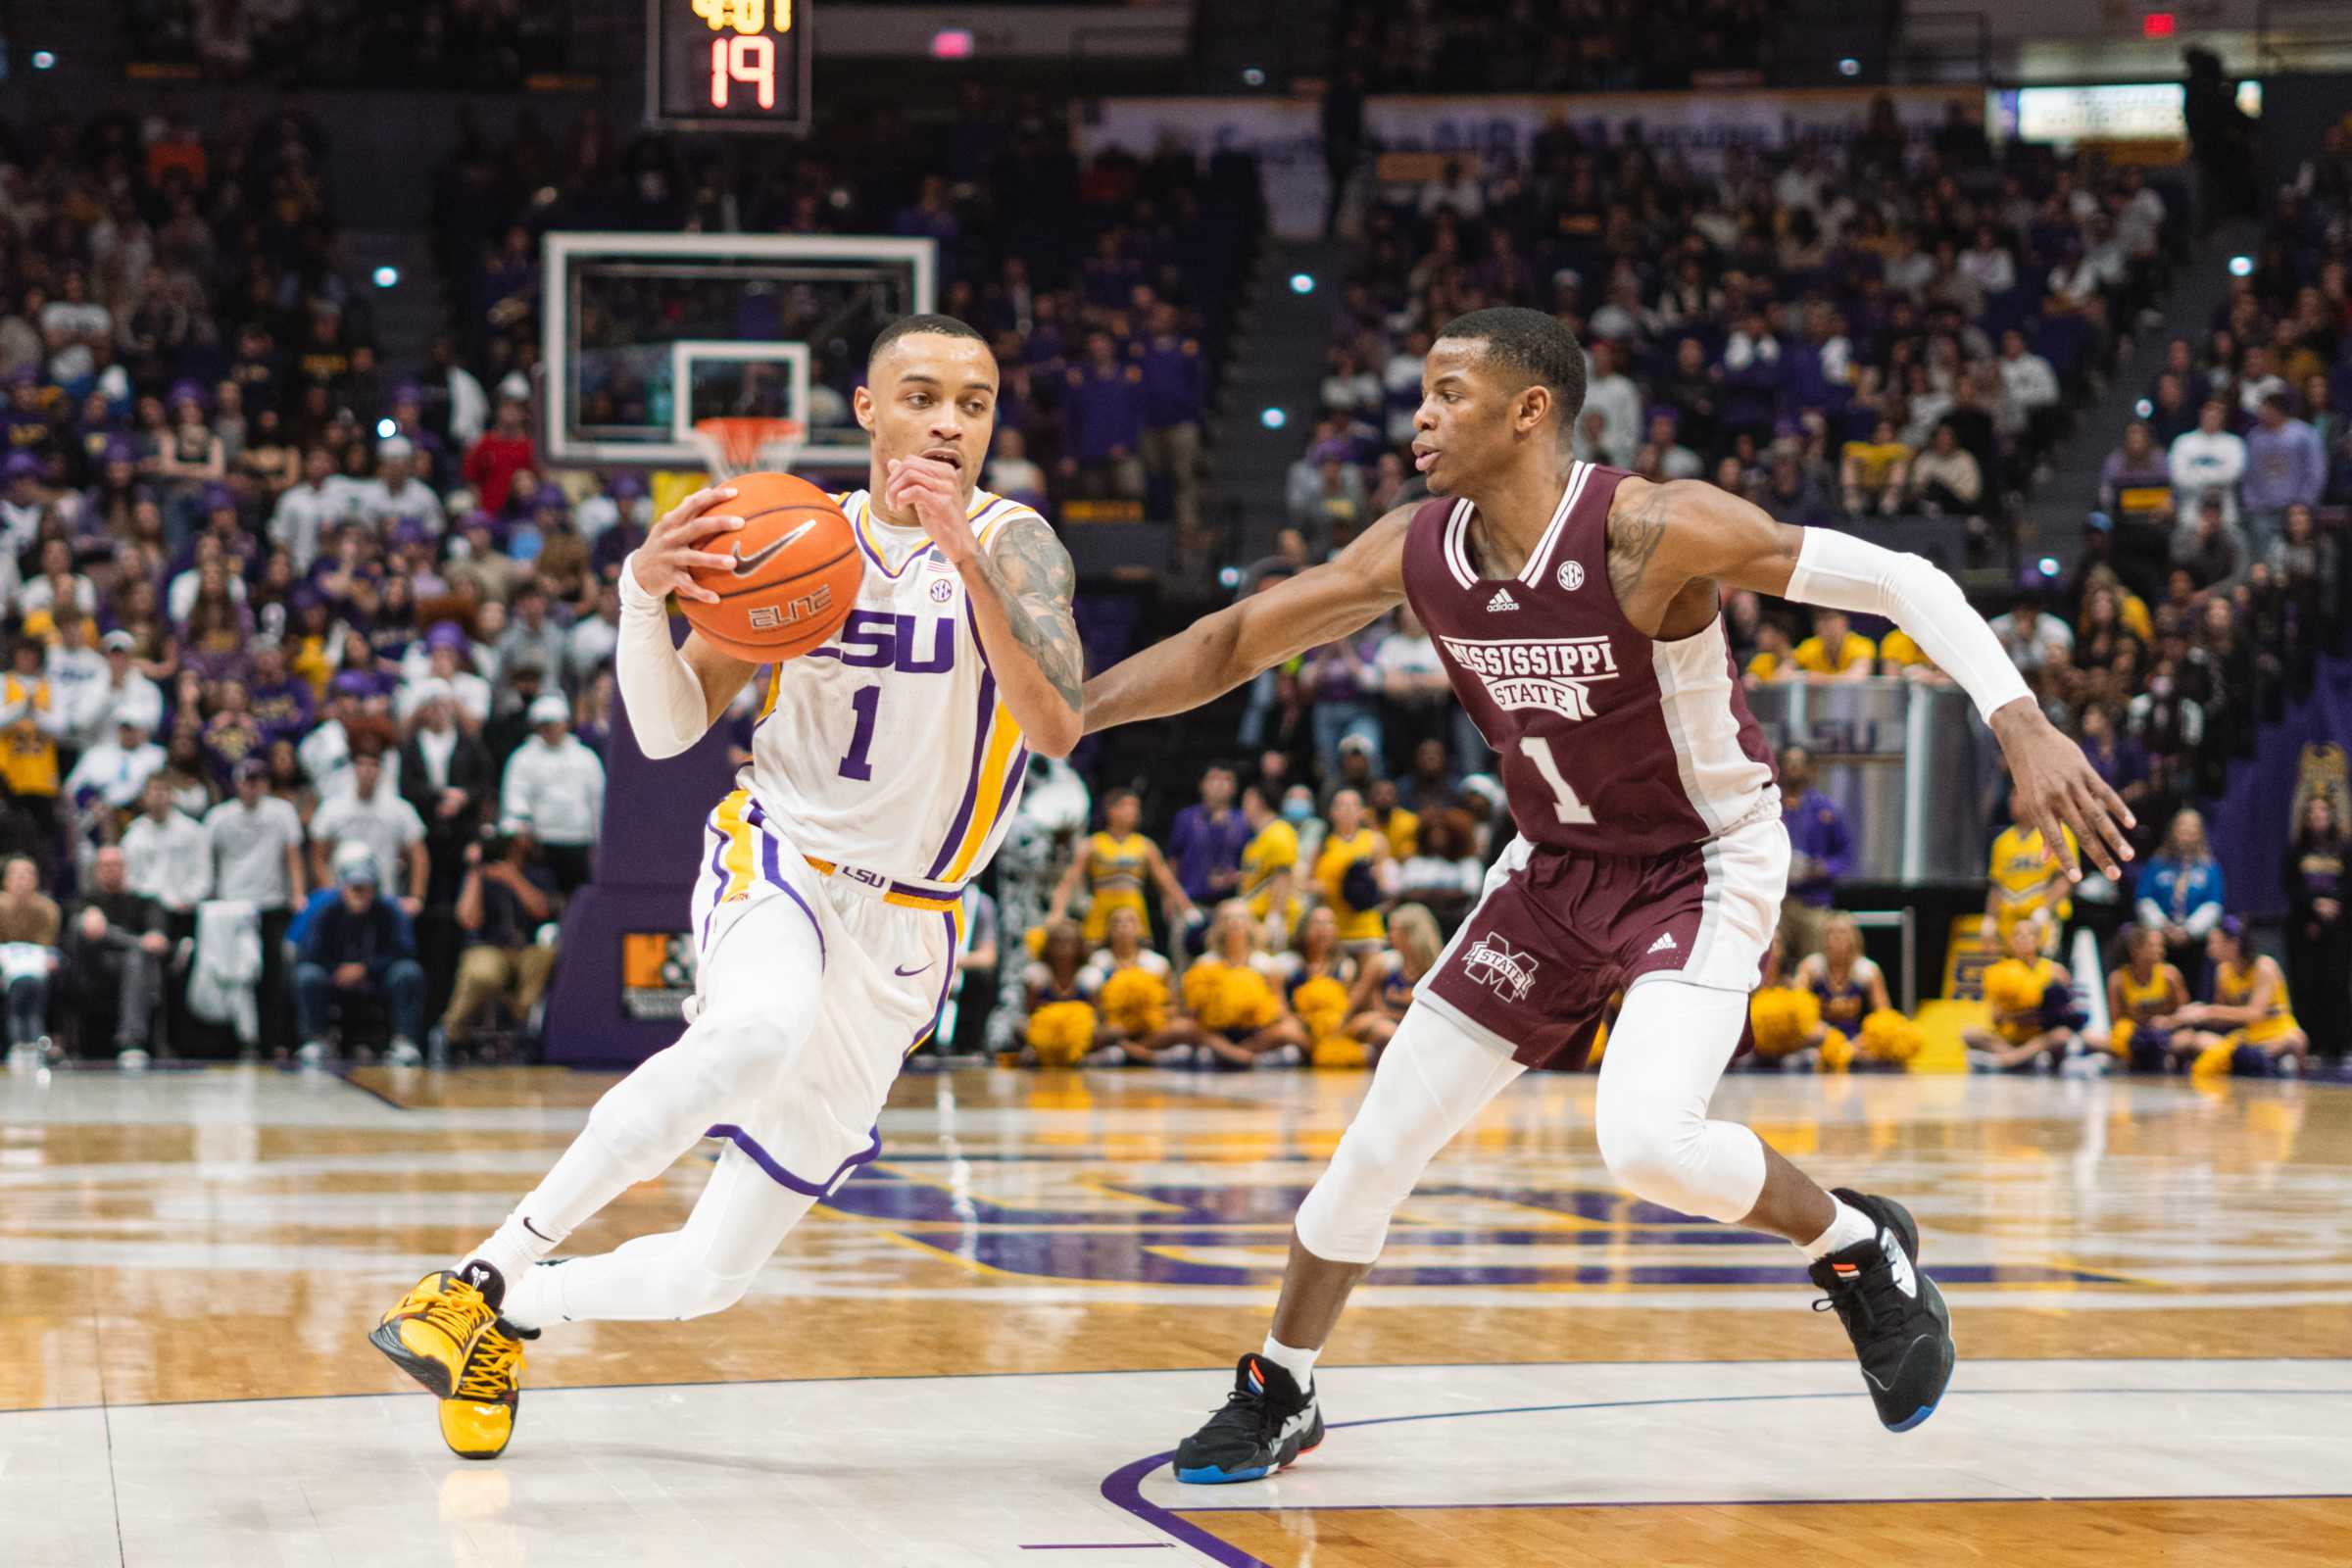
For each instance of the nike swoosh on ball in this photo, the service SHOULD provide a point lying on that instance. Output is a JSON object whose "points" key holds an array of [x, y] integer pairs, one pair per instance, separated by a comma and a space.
{"points": [[744, 564]]}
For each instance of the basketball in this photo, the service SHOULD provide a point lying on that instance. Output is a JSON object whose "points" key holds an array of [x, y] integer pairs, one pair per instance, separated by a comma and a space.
{"points": [[795, 573]]}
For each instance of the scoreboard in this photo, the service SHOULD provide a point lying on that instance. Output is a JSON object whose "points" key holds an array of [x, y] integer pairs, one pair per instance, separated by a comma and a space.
{"points": [[727, 65]]}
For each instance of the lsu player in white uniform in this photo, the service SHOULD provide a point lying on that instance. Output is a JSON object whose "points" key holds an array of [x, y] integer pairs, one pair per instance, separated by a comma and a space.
{"points": [[885, 769]]}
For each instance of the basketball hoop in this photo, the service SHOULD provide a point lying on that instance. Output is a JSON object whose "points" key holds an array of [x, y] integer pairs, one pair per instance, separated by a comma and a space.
{"points": [[738, 443]]}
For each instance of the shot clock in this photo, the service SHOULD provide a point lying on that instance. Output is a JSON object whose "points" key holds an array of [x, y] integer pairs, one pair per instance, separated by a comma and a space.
{"points": [[727, 65]]}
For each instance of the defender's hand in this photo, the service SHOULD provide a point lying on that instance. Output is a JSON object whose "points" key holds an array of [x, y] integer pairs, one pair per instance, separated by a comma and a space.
{"points": [[681, 542], [2057, 788], [934, 493]]}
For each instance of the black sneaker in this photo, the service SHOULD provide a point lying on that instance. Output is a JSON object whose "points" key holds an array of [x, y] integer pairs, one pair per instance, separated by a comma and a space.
{"points": [[1265, 1426], [1901, 1330]]}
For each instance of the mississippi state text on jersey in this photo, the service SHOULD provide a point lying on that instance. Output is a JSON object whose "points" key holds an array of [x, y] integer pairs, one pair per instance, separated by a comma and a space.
{"points": [[1612, 742]]}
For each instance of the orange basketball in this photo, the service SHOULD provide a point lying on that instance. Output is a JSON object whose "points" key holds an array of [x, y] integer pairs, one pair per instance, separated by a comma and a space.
{"points": [[795, 573]]}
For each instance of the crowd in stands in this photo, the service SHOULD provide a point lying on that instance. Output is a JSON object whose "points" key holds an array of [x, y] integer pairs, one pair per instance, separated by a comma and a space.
{"points": [[1896, 333], [1585, 46], [1101, 286], [1889, 329], [319, 644], [308, 667], [316, 644], [315, 43]]}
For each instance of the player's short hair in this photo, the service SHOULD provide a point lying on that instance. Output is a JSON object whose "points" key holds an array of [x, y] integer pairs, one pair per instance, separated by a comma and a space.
{"points": [[925, 322], [1532, 344], [1112, 798]]}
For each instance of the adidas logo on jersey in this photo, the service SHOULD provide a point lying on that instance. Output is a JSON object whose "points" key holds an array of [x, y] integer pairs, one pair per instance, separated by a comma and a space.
{"points": [[1503, 600], [1664, 943]]}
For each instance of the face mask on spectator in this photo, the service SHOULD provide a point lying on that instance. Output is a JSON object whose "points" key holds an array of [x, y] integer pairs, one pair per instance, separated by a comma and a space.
{"points": [[1296, 811]]}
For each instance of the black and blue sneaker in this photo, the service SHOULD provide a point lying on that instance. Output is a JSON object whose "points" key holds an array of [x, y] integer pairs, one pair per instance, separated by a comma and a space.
{"points": [[1266, 1424], [1902, 1332]]}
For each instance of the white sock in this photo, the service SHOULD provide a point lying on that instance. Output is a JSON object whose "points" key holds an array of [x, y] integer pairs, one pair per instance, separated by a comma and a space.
{"points": [[1300, 1364], [583, 1179], [512, 1249], [1849, 1227], [533, 1301]]}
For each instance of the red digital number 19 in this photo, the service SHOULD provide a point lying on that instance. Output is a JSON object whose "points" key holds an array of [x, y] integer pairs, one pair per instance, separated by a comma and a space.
{"points": [[749, 60]]}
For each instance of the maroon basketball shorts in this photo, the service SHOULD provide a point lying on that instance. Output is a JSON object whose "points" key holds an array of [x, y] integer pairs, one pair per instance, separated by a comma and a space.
{"points": [[1555, 933]]}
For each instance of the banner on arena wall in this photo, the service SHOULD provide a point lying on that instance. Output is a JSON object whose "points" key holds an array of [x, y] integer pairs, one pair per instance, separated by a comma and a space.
{"points": [[1286, 133]]}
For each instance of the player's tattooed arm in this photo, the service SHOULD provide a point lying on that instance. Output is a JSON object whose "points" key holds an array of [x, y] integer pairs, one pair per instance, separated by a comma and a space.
{"points": [[1217, 652], [1027, 581], [1672, 542]]}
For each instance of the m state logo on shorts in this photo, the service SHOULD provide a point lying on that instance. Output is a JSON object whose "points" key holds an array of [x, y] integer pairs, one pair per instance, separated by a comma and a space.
{"points": [[1553, 673], [1491, 963]]}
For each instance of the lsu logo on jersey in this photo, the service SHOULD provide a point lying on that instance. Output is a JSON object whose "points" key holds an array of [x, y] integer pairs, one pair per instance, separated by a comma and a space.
{"points": [[1553, 673], [1490, 962], [882, 639]]}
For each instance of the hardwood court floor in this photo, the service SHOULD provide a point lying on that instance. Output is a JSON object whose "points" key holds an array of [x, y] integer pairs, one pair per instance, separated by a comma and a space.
{"points": [[982, 1349]]}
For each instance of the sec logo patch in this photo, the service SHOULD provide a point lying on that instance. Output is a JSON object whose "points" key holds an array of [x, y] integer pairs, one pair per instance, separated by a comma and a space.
{"points": [[943, 590], [1572, 576]]}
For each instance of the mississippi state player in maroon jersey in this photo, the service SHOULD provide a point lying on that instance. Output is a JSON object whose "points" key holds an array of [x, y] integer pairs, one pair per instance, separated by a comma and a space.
{"points": [[1575, 608]]}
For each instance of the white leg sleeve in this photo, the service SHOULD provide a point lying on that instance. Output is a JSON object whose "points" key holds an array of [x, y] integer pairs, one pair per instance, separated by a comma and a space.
{"points": [[745, 1034], [664, 696], [1842, 572], [1667, 1052], [1433, 1078], [742, 1217]]}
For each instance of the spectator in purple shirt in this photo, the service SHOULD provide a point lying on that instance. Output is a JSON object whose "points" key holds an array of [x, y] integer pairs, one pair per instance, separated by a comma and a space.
{"points": [[2285, 467], [1820, 852], [1206, 844], [1104, 408]]}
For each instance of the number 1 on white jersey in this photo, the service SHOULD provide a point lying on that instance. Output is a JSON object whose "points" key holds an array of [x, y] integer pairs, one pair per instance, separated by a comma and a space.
{"points": [[1536, 750]]}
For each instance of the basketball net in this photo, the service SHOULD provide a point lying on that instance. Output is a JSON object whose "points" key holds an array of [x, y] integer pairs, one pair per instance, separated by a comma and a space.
{"points": [[736, 443]]}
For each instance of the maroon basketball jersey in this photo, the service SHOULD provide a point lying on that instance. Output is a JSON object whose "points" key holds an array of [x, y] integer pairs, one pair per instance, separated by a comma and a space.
{"points": [[1611, 742]]}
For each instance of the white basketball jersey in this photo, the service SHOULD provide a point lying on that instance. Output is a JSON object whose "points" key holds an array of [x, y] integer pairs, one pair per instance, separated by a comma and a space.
{"points": [[888, 751]]}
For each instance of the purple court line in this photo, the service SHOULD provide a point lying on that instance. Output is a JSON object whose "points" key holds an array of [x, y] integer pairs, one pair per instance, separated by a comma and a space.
{"points": [[1125, 1485]]}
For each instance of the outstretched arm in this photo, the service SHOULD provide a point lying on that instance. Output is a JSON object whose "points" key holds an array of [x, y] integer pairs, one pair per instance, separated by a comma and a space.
{"points": [[1022, 586], [1670, 535], [1219, 651]]}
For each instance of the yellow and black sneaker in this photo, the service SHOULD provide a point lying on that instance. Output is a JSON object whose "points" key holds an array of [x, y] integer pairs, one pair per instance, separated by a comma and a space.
{"points": [[479, 1419], [433, 1331]]}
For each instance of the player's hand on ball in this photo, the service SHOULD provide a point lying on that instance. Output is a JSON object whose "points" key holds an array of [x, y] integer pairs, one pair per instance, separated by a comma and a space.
{"points": [[2057, 788], [930, 490], [683, 541]]}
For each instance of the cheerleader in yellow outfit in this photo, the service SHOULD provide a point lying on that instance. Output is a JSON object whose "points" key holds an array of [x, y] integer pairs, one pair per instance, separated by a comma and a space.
{"points": [[1135, 993], [1355, 895], [1317, 977], [1112, 866], [2033, 1020], [2145, 998], [1783, 1021], [1853, 993], [2249, 1026], [1061, 1020], [1383, 987], [1231, 1000]]}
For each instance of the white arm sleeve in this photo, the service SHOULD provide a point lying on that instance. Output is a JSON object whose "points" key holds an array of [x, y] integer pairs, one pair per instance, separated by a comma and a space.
{"points": [[661, 690], [1839, 571]]}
